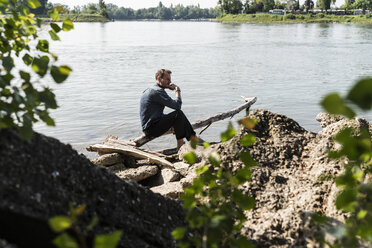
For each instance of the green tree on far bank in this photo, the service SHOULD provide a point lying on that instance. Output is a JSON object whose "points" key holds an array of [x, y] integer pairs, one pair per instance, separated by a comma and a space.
{"points": [[231, 6], [102, 8], [325, 4]]}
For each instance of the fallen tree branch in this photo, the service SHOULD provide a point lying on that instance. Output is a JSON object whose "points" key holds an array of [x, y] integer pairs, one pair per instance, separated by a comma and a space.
{"points": [[140, 141], [111, 146]]}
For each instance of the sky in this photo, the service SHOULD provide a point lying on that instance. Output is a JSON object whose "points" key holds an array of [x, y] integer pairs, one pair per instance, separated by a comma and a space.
{"points": [[138, 4]]}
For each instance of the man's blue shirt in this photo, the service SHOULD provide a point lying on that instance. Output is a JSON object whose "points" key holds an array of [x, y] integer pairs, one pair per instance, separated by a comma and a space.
{"points": [[153, 102]]}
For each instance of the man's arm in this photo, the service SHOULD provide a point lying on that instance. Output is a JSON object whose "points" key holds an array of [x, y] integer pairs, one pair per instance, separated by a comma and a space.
{"points": [[166, 100]]}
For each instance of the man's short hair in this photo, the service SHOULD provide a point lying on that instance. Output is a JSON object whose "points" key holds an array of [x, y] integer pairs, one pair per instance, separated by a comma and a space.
{"points": [[160, 73]]}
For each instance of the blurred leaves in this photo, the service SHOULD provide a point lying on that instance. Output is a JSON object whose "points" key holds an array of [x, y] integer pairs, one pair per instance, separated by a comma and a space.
{"points": [[355, 183], [190, 158], [228, 134], [108, 240], [27, 102], [214, 203], [334, 104], [361, 94], [61, 224]]}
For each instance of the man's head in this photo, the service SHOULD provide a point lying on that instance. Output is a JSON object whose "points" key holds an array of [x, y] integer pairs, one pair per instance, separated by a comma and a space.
{"points": [[163, 77]]}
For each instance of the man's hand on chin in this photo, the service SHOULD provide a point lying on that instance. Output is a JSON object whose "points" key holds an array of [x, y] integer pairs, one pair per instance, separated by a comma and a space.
{"points": [[172, 86]]}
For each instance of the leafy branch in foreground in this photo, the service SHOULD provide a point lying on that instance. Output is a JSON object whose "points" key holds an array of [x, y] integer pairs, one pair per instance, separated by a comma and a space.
{"points": [[25, 60], [215, 203], [61, 224], [355, 197]]}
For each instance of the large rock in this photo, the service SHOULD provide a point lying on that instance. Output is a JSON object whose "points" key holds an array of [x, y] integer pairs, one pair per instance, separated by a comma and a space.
{"points": [[294, 179], [39, 179], [172, 189], [108, 159], [138, 174]]}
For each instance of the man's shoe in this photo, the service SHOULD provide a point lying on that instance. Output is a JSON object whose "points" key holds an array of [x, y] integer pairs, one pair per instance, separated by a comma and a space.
{"points": [[200, 142]]}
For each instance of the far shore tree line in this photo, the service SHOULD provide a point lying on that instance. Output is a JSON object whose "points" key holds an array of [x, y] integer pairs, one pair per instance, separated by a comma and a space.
{"points": [[253, 6], [112, 11], [180, 12]]}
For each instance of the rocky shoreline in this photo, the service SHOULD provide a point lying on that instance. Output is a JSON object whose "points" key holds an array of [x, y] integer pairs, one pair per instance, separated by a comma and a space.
{"points": [[294, 180]]}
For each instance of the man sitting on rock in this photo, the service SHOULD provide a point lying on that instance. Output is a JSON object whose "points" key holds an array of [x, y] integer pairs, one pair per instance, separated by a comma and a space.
{"points": [[153, 101]]}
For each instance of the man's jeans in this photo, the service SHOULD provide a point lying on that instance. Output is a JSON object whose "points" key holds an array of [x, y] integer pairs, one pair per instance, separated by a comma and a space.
{"points": [[175, 119]]}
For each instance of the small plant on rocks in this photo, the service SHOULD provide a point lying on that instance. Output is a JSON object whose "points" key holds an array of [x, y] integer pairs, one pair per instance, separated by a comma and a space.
{"points": [[61, 224], [355, 197], [215, 203]]}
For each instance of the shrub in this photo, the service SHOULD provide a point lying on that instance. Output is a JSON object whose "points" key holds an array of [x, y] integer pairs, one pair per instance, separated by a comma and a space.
{"points": [[215, 203], [355, 197], [320, 15], [290, 16]]}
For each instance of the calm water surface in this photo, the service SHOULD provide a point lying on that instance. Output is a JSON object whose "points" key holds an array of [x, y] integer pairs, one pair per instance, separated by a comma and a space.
{"points": [[289, 67]]}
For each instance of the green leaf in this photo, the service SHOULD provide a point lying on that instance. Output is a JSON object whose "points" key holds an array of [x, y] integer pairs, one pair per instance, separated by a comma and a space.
{"points": [[33, 4], [242, 242], [108, 240], [43, 45], [248, 140], [27, 59], [318, 218], [67, 25], [248, 123], [53, 35], [361, 94], [55, 27], [60, 74], [201, 170], [40, 65], [346, 200], [243, 175], [54, 15], [8, 63], [228, 134], [247, 159], [334, 104], [214, 159], [93, 223], [179, 232], [362, 214], [243, 201], [206, 145], [44, 116], [48, 97], [60, 223], [216, 221], [25, 130], [65, 241], [25, 76], [193, 142], [190, 158]]}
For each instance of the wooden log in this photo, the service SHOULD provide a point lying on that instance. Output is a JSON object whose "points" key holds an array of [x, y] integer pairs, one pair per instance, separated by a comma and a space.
{"points": [[140, 141], [111, 147]]}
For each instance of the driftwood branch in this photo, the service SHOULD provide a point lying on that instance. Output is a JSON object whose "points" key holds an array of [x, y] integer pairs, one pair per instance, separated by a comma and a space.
{"points": [[249, 102], [112, 145]]}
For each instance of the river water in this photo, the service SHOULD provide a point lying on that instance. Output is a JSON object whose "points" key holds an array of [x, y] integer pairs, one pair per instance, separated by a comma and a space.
{"points": [[289, 67]]}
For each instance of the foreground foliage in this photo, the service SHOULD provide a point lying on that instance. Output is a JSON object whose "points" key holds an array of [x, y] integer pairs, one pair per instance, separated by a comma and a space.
{"points": [[214, 203], [62, 223], [355, 197], [25, 60]]}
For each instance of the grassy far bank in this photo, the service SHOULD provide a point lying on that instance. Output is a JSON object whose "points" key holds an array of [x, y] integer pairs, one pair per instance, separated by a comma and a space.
{"points": [[79, 18], [291, 18]]}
